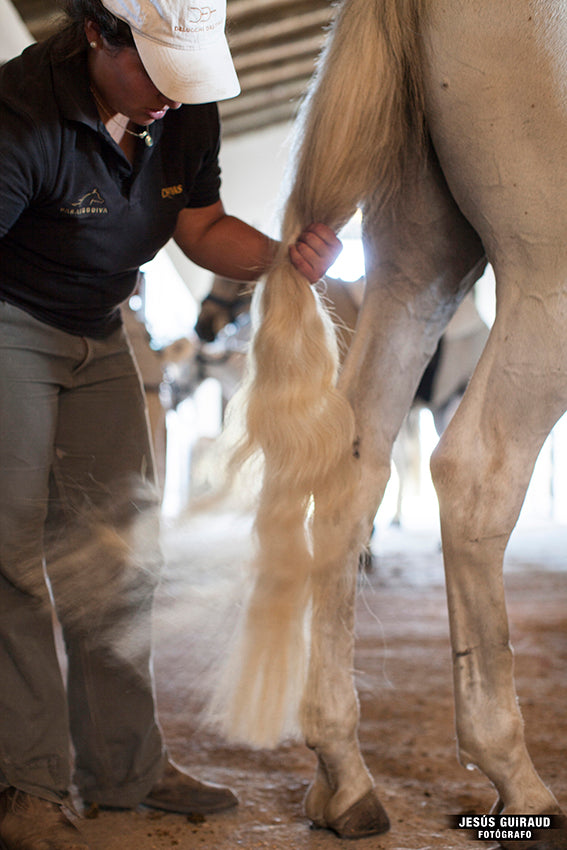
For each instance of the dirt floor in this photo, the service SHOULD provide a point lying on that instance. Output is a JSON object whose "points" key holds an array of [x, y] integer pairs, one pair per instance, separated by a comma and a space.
{"points": [[404, 681]]}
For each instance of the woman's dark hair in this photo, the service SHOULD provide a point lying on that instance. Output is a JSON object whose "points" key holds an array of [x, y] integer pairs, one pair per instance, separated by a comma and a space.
{"points": [[71, 37]]}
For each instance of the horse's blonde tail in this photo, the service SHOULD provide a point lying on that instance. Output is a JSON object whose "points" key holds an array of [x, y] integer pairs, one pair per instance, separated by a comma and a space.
{"points": [[351, 138]]}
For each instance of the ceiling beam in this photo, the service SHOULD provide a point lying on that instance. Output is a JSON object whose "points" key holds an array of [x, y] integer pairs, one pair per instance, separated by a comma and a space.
{"points": [[288, 50], [261, 33]]}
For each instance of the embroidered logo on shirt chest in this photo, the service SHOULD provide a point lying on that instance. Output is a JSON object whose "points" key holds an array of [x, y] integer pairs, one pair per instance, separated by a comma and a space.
{"points": [[91, 203], [171, 191]]}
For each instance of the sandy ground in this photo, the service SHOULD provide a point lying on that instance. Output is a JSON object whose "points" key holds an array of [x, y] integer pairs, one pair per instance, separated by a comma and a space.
{"points": [[404, 681]]}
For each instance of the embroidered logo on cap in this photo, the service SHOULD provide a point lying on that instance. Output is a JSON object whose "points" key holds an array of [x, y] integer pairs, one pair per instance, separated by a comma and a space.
{"points": [[198, 16]]}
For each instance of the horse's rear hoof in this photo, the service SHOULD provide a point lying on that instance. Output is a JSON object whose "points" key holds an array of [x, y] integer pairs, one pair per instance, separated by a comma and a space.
{"points": [[366, 817]]}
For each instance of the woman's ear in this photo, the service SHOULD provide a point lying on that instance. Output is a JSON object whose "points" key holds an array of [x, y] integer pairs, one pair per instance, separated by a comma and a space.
{"points": [[92, 32]]}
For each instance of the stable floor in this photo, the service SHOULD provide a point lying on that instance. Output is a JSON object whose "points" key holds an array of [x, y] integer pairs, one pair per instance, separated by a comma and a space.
{"points": [[404, 681]]}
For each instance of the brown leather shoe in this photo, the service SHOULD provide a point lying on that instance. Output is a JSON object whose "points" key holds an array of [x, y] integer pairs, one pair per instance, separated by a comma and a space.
{"points": [[178, 792], [30, 823]]}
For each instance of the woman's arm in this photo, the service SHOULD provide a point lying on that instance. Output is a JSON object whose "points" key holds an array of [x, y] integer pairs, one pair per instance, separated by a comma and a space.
{"points": [[231, 248]]}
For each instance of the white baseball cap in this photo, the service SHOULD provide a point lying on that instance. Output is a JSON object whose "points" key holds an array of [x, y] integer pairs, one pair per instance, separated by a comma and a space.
{"points": [[183, 46]]}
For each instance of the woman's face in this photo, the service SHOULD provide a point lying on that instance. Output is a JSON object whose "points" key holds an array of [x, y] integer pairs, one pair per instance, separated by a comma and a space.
{"points": [[120, 78]]}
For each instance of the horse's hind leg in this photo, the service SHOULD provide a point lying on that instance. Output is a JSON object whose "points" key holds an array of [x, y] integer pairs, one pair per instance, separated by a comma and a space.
{"points": [[481, 470], [342, 796], [428, 258]]}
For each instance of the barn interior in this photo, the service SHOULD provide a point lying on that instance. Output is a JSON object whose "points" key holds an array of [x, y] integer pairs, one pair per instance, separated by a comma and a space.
{"points": [[403, 655]]}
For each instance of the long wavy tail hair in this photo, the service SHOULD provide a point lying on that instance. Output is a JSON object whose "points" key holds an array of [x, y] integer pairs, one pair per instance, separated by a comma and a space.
{"points": [[362, 105]]}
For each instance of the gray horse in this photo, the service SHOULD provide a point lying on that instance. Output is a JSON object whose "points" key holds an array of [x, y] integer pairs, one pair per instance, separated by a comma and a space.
{"points": [[445, 121]]}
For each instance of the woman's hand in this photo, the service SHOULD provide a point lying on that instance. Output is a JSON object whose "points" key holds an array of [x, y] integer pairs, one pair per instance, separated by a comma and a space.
{"points": [[233, 249], [315, 251]]}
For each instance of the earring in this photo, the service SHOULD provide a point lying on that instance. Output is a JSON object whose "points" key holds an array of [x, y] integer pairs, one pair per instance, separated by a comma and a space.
{"points": [[93, 44]]}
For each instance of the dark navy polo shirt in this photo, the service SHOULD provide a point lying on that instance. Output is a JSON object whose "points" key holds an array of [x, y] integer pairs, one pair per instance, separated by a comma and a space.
{"points": [[76, 218]]}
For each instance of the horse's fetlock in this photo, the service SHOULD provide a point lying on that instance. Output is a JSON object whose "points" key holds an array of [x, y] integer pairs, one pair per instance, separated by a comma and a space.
{"points": [[493, 742]]}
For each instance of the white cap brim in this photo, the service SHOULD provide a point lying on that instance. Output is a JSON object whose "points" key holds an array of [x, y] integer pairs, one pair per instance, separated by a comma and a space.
{"points": [[195, 75]]}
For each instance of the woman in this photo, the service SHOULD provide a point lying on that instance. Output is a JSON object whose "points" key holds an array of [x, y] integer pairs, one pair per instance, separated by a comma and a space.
{"points": [[101, 165]]}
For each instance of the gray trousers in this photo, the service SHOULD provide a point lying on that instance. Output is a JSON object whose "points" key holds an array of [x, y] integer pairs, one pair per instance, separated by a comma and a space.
{"points": [[75, 467]]}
